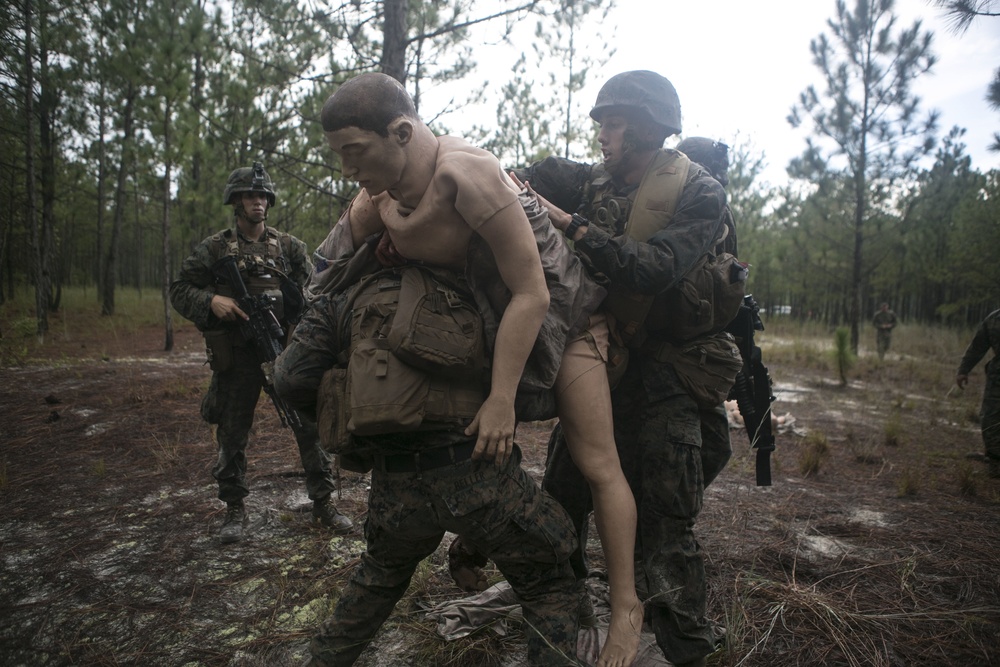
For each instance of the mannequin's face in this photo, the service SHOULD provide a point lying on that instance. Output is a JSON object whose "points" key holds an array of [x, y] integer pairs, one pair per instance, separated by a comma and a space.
{"points": [[377, 163]]}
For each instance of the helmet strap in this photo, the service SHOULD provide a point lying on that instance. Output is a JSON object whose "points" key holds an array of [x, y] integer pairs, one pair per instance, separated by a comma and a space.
{"points": [[240, 212]]}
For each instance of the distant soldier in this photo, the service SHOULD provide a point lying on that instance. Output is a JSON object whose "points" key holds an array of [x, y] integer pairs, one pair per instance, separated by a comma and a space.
{"points": [[884, 322], [270, 262], [987, 337]]}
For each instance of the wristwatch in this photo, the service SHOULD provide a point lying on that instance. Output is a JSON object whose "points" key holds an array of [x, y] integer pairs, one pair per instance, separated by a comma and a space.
{"points": [[575, 224]]}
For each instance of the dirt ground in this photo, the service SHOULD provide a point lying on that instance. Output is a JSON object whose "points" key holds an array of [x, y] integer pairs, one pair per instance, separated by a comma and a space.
{"points": [[886, 554]]}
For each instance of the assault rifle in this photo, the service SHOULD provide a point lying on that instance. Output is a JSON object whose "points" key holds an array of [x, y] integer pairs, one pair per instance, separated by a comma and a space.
{"points": [[262, 328], [752, 389]]}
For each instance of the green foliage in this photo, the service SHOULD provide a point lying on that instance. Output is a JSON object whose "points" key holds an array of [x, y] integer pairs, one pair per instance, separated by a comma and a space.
{"points": [[908, 483], [843, 357], [815, 450], [892, 432], [204, 90], [866, 128]]}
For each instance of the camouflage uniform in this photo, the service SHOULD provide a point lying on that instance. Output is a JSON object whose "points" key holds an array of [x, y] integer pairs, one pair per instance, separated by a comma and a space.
{"points": [[423, 484], [669, 448], [883, 336], [987, 337], [233, 394]]}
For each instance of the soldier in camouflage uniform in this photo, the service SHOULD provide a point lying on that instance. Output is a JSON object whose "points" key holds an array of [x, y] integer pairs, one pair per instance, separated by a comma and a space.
{"points": [[270, 262], [658, 426], [987, 337], [454, 473], [884, 322]]}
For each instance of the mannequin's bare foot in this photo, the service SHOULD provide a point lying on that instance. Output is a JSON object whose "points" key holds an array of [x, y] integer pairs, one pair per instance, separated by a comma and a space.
{"points": [[622, 644]]}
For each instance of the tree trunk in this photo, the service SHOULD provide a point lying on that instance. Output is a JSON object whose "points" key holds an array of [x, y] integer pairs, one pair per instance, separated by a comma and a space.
{"points": [[394, 39], [47, 103], [168, 324], [111, 261], [41, 290], [101, 185]]}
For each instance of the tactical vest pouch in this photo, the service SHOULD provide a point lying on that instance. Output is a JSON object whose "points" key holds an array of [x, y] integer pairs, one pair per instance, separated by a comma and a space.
{"points": [[333, 413], [707, 366], [437, 326], [332, 410], [704, 302], [387, 395], [219, 349]]}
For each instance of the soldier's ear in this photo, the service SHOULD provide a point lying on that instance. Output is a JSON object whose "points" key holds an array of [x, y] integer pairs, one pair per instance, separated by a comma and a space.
{"points": [[401, 129]]}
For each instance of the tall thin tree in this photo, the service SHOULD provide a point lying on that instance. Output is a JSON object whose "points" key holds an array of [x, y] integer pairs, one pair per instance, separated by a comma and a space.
{"points": [[866, 117]]}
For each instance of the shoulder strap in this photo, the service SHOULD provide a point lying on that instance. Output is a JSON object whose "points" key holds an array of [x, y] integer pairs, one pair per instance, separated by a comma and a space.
{"points": [[656, 198]]}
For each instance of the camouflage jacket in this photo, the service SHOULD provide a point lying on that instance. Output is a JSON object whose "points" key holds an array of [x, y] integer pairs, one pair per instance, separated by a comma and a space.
{"points": [[884, 321], [191, 293], [649, 267], [987, 337]]}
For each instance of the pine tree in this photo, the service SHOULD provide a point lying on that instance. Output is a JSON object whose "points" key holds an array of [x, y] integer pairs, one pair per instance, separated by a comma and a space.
{"points": [[865, 121]]}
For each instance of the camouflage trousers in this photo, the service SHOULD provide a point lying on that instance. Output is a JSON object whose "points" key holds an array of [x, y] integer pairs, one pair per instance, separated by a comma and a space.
{"points": [[502, 512], [989, 419], [883, 338], [230, 404], [670, 450]]}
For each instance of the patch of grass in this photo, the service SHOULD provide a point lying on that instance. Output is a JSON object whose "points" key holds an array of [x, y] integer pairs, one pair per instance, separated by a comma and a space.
{"points": [[165, 453], [843, 357], [77, 321], [421, 583], [967, 480], [892, 432], [865, 450], [483, 648], [98, 468], [180, 389], [3, 476], [908, 483], [815, 451]]}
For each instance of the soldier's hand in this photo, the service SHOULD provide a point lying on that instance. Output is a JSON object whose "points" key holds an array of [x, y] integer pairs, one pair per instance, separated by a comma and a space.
{"points": [[386, 253], [560, 219], [226, 309], [961, 380], [494, 427]]}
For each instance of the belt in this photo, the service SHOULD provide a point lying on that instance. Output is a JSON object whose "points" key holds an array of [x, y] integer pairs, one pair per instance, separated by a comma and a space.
{"points": [[428, 460]]}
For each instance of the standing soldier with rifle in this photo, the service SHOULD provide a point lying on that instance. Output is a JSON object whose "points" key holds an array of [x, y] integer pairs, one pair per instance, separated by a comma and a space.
{"points": [[242, 288]]}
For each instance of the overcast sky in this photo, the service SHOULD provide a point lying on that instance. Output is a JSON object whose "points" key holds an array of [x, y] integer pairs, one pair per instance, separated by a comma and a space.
{"points": [[739, 66]]}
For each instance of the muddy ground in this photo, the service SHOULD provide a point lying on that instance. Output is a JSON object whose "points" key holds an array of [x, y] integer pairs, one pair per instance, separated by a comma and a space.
{"points": [[887, 553]]}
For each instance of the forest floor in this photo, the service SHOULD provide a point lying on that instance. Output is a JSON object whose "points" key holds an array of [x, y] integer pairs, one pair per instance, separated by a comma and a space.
{"points": [[877, 544]]}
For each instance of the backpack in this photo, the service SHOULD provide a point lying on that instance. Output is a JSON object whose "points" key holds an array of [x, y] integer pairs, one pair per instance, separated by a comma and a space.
{"points": [[416, 358]]}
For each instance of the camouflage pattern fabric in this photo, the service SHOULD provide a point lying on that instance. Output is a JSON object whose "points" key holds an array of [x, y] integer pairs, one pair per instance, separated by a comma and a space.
{"points": [[230, 403], [987, 338], [501, 512], [883, 337], [669, 448], [233, 394], [191, 294]]}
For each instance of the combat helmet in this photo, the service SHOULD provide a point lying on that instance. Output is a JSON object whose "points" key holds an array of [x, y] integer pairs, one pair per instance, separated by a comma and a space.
{"points": [[712, 155], [249, 179], [647, 91]]}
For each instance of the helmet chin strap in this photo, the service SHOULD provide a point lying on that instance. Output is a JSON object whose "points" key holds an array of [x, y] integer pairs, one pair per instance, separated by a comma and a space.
{"points": [[240, 212]]}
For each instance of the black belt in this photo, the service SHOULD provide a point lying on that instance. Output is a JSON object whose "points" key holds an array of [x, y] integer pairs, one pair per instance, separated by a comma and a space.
{"points": [[428, 460]]}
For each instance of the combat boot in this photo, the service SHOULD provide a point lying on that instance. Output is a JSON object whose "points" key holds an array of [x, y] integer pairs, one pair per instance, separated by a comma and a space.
{"points": [[325, 513], [234, 523]]}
